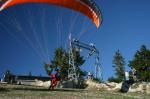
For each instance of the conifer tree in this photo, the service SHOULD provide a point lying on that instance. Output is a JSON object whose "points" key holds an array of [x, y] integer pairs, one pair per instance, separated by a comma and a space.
{"points": [[141, 63], [119, 67]]}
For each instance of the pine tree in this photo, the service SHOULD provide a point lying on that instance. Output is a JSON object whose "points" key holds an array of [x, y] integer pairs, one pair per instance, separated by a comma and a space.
{"points": [[61, 61], [141, 63], [119, 66]]}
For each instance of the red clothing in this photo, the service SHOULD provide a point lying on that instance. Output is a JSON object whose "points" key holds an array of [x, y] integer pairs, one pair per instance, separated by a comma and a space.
{"points": [[54, 80]]}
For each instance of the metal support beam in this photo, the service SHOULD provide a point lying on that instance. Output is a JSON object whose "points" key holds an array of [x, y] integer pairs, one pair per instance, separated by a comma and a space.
{"points": [[92, 51]]}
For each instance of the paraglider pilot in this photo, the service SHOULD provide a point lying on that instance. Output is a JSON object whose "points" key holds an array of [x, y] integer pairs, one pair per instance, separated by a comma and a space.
{"points": [[54, 78], [53, 73]]}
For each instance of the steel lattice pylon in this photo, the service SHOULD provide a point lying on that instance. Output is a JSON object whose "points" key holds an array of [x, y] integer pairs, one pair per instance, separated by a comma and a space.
{"points": [[72, 72]]}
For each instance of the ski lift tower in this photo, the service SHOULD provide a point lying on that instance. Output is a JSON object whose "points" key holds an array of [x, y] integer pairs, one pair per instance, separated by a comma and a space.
{"points": [[72, 71], [75, 44]]}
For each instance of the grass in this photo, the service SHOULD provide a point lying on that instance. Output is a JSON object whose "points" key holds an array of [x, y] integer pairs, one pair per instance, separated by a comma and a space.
{"points": [[32, 92]]}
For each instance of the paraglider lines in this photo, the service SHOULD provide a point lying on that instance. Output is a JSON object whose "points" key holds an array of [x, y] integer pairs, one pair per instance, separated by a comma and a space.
{"points": [[13, 23], [37, 39], [43, 22]]}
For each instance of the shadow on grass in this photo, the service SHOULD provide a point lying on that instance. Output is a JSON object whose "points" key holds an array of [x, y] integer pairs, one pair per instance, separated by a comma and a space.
{"points": [[67, 90], [3, 90], [37, 89]]}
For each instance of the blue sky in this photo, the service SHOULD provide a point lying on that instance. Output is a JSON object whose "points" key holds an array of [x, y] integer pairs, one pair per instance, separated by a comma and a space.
{"points": [[29, 33]]}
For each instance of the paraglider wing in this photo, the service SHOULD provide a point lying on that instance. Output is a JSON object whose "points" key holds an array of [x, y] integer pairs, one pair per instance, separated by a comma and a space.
{"points": [[86, 7]]}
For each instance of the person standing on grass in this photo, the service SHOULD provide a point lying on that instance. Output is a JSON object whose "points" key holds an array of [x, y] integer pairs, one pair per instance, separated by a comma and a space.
{"points": [[53, 73], [54, 78]]}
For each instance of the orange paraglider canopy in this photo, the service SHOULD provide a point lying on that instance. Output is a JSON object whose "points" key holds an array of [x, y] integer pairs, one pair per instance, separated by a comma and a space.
{"points": [[86, 7]]}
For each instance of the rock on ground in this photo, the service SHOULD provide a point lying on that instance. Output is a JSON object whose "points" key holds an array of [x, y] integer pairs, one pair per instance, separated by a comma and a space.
{"points": [[136, 87]]}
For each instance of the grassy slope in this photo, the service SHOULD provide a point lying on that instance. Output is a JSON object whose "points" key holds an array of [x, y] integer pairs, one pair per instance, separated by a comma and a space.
{"points": [[32, 92]]}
